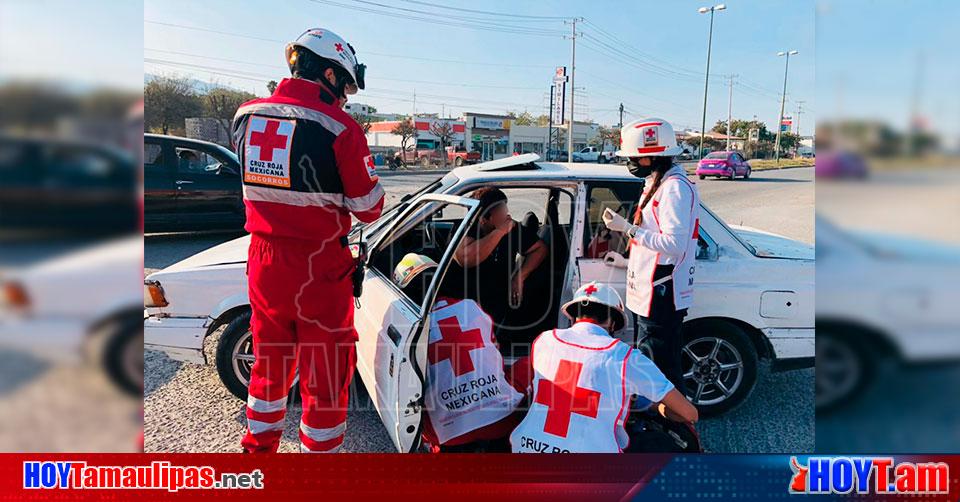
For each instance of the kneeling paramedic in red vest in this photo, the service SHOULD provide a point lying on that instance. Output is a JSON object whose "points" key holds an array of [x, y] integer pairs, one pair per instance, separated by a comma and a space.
{"points": [[583, 381], [471, 404], [306, 169]]}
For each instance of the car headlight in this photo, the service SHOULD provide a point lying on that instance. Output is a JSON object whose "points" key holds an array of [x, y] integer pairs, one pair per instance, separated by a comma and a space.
{"points": [[14, 296], [153, 295]]}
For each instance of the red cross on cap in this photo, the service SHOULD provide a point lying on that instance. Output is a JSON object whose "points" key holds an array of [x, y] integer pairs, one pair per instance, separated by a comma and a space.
{"points": [[563, 397], [455, 345], [591, 289], [268, 140], [339, 47]]}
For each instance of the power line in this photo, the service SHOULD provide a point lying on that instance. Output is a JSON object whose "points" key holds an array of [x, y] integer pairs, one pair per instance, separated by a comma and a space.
{"points": [[488, 13]]}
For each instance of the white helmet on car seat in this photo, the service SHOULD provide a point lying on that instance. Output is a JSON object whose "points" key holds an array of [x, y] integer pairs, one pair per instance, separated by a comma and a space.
{"points": [[410, 266], [650, 137], [328, 45], [601, 294]]}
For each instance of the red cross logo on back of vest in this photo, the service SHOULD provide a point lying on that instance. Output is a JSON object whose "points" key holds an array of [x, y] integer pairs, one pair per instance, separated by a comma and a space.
{"points": [[455, 345], [268, 140], [562, 398]]}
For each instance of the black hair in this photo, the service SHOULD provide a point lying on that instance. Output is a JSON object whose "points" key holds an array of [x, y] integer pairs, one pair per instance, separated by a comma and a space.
{"points": [[489, 198], [659, 166], [309, 66], [595, 311]]}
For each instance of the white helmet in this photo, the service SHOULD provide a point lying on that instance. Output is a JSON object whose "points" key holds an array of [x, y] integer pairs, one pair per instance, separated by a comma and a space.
{"points": [[601, 294], [328, 45], [410, 266], [650, 137]]}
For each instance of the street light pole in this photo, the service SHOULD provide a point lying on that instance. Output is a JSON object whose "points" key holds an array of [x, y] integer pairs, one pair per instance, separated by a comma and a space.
{"points": [[706, 80], [783, 100], [730, 111]]}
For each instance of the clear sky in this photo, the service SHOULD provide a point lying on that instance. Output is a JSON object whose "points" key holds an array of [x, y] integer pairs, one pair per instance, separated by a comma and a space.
{"points": [[507, 65]]}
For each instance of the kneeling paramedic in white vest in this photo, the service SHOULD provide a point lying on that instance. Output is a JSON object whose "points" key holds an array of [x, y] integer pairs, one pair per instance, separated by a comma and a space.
{"points": [[583, 380], [471, 404]]}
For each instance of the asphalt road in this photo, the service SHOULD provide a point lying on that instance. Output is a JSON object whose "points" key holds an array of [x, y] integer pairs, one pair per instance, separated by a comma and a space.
{"points": [[187, 409]]}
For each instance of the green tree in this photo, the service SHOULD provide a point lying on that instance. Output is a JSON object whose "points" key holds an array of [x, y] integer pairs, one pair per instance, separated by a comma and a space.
{"points": [[272, 86], [363, 120], [444, 132], [167, 101]]}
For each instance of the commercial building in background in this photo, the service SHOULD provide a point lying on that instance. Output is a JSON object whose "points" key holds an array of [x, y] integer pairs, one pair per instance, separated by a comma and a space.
{"points": [[381, 138], [208, 129], [488, 134], [535, 139]]}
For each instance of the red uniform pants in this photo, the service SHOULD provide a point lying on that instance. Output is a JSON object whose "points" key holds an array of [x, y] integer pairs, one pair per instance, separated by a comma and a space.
{"points": [[302, 300]]}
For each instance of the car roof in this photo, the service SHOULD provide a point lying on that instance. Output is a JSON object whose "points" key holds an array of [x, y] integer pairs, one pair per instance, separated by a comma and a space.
{"points": [[545, 170]]}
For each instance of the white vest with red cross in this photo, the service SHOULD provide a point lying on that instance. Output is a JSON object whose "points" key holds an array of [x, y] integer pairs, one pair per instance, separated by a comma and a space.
{"points": [[583, 379], [466, 386], [668, 235]]}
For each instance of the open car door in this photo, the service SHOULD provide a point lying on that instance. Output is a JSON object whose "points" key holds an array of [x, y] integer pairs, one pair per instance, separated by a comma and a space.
{"points": [[392, 327]]}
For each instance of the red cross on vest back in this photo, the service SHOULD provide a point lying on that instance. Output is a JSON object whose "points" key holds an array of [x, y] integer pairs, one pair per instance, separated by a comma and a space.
{"points": [[562, 398], [455, 345], [268, 140]]}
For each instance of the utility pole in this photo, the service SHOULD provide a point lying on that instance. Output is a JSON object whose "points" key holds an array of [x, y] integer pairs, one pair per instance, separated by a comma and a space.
{"points": [[799, 112], [706, 79], [573, 86], [783, 99], [730, 110], [621, 116], [414, 105]]}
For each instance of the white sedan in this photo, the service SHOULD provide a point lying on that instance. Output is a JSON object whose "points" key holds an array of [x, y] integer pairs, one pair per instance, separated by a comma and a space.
{"points": [[754, 297]]}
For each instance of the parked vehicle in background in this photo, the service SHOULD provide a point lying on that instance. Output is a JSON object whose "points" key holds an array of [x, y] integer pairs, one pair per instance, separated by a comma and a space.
{"points": [[554, 155], [67, 186], [841, 165], [594, 154], [723, 165], [190, 185], [458, 156], [425, 157]]}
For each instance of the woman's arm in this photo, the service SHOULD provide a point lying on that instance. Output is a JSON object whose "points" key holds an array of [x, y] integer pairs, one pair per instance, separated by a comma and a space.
{"points": [[473, 252], [675, 219], [676, 407]]}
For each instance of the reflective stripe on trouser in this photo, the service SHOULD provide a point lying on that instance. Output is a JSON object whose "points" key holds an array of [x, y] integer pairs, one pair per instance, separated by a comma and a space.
{"points": [[301, 298]]}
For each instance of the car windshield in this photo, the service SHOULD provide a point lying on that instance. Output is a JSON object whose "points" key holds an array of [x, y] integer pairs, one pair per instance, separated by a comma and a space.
{"points": [[716, 155], [439, 185]]}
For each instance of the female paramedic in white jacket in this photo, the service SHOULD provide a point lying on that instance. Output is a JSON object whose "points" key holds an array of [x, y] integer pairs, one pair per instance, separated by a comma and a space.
{"points": [[663, 241]]}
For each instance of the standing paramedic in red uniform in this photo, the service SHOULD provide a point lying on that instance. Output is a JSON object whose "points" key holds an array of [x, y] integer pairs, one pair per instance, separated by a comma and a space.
{"points": [[306, 169]]}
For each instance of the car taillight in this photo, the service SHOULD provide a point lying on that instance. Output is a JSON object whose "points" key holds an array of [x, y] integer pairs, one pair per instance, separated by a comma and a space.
{"points": [[14, 295], [153, 295]]}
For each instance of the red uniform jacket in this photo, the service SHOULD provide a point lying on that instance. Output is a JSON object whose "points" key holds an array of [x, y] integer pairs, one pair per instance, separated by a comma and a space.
{"points": [[306, 165]]}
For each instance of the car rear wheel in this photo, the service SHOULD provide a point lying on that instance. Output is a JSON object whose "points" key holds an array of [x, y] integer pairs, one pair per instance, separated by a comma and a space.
{"points": [[703, 177], [733, 175], [458, 162], [424, 161], [719, 363]]}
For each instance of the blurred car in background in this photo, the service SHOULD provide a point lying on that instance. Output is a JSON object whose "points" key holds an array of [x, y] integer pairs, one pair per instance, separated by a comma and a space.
{"points": [[841, 165], [880, 298], [554, 155], [80, 304], [190, 185], [66, 186], [594, 154], [723, 165]]}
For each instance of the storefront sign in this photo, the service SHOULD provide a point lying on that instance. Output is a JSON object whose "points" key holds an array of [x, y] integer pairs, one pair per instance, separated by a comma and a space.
{"points": [[491, 123], [559, 94]]}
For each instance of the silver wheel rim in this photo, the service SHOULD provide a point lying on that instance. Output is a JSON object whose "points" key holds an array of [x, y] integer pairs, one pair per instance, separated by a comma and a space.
{"points": [[242, 357], [837, 373], [713, 370]]}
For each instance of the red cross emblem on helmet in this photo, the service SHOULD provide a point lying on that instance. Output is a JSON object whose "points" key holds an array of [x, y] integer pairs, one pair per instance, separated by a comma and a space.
{"points": [[650, 136], [339, 47], [591, 289]]}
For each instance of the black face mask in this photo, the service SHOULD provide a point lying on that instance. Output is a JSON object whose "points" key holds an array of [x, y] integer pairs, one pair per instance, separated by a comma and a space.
{"points": [[657, 164]]}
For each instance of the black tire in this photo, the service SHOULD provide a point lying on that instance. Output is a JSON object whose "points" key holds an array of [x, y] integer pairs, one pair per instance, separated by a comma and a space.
{"points": [[424, 162], [723, 382], [703, 177], [746, 175], [458, 162], [845, 367], [733, 175], [236, 337], [123, 354]]}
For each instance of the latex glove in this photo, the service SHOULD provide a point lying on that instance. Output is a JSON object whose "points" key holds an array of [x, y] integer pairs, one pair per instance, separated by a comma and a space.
{"points": [[615, 259], [615, 222]]}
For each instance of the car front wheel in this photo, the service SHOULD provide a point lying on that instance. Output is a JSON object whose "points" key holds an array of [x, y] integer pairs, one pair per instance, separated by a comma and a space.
{"points": [[746, 175], [719, 363], [703, 177], [844, 369]]}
